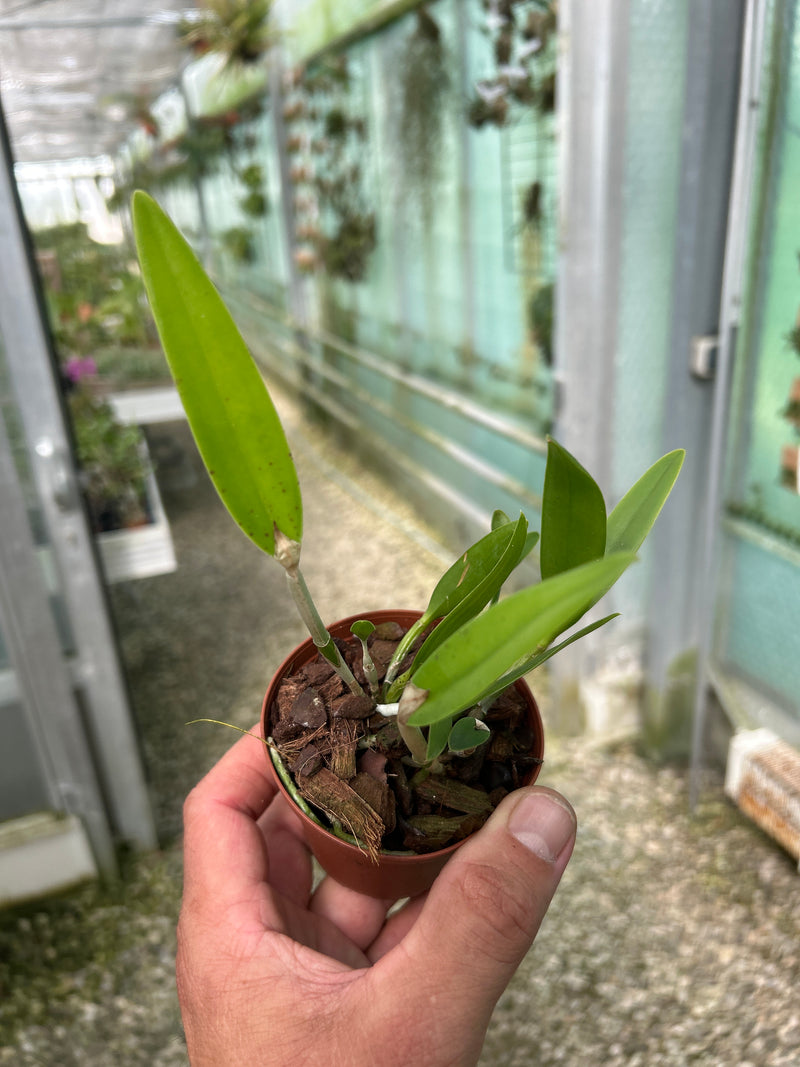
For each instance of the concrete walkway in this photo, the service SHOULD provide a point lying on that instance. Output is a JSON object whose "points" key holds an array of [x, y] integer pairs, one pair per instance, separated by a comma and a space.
{"points": [[672, 941]]}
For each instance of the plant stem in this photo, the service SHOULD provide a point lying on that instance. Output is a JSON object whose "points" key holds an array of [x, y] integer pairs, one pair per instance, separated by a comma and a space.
{"points": [[320, 636], [369, 671], [413, 697], [287, 553], [405, 644]]}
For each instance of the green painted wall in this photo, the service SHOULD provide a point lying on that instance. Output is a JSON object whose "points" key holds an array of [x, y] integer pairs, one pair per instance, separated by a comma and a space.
{"points": [[447, 291], [314, 25], [758, 610], [654, 117]]}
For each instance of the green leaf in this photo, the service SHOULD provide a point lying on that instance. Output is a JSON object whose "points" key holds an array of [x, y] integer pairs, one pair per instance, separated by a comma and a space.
{"points": [[488, 646], [531, 541], [539, 658], [467, 733], [499, 518], [437, 739], [472, 568], [362, 629], [230, 412], [573, 514], [632, 519], [458, 583], [479, 595]]}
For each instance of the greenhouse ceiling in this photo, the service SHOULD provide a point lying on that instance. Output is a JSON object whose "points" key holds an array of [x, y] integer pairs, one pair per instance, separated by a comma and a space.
{"points": [[76, 74]]}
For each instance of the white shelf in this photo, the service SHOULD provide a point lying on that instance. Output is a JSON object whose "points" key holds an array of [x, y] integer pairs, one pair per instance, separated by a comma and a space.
{"points": [[142, 552]]}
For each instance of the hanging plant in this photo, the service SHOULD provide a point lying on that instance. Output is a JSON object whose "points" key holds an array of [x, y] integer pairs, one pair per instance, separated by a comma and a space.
{"points": [[789, 476], [333, 221], [254, 205], [425, 86], [198, 153], [251, 176], [239, 244], [541, 320], [525, 57], [346, 253], [237, 29]]}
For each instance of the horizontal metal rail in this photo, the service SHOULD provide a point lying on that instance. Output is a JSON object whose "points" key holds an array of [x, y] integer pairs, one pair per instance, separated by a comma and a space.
{"points": [[415, 383], [438, 487], [463, 456]]}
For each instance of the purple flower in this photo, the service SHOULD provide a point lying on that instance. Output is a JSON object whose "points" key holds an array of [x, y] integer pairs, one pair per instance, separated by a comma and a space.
{"points": [[78, 367]]}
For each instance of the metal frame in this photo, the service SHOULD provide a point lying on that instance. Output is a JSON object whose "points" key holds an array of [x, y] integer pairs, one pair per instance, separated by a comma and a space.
{"points": [[677, 590], [31, 364], [591, 112], [729, 316], [43, 682]]}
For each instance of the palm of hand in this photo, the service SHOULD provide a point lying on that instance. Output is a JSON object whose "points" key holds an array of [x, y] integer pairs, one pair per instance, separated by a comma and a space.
{"points": [[273, 972]]}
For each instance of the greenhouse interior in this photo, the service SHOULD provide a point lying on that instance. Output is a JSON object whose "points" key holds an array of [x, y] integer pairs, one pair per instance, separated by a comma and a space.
{"points": [[465, 242]]}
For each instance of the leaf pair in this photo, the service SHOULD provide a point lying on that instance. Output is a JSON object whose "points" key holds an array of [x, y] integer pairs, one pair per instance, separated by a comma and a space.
{"points": [[575, 529], [467, 587], [512, 636]]}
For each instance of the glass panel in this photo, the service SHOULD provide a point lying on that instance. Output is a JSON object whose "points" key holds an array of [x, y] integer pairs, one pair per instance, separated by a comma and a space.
{"points": [[757, 627], [22, 777], [94, 294], [766, 476], [105, 344], [22, 780], [38, 530]]}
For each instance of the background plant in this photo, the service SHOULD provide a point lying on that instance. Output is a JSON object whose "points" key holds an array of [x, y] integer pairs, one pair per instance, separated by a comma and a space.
{"points": [[237, 29], [93, 291], [425, 91], [334, 222], [208, 143], [522, 35], [111, 460], [790, 454]]}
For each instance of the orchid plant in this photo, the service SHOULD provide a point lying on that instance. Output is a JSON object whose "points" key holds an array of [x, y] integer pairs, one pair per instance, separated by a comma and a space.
{"points": [[482, 641]]}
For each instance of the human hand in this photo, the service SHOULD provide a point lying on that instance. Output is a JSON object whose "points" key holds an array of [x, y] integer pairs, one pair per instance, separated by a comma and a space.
{"points": [[270, 973]]}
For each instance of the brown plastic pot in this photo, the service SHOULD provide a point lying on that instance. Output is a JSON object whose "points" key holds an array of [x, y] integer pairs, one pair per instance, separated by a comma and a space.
{"points": [[395, 875]]}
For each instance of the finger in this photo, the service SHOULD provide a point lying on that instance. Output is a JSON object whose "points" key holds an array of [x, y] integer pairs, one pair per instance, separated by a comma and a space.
{"points": [[360, 918], [396, 928], [290, 869], [241, 779], [486, 906], [224, 849]]}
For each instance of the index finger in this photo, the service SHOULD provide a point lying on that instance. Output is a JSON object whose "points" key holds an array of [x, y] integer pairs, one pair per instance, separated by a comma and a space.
{"points": [[224, 849]]}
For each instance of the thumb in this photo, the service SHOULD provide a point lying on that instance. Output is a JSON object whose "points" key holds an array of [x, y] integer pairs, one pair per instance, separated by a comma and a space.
{"points": [[486, 906]]}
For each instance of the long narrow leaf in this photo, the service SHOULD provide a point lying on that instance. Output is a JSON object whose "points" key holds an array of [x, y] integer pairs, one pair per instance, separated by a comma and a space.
{"points": [[230, 412], [633, 517], [539, 658], [573, 514], [488, 646], [473, 567], [457, 583], [531, 540], [437, 739], [479, 596]]}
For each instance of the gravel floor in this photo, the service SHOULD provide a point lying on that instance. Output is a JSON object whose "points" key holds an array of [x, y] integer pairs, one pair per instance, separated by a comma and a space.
{"points": [[672, 940]]}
